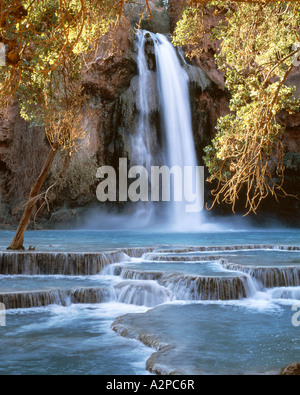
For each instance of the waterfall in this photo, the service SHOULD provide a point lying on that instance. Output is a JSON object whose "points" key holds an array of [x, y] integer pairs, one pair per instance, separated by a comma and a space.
{"points": [[173, 82], [143, 137], [141, 140], [178, 150]]}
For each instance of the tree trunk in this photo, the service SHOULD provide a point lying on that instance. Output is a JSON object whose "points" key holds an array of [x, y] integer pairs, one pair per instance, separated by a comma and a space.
{"points": [[17, 242]]}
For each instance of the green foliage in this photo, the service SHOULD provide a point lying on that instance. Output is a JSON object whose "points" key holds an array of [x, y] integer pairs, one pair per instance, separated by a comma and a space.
{"points": [[48, 43], [256, 56], [49, 36], [190, 30]]}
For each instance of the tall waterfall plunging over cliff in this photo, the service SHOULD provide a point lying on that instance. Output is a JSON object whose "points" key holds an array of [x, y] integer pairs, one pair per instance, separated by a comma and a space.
{"points": [[160, 185], [178, 150], [141, 141]]}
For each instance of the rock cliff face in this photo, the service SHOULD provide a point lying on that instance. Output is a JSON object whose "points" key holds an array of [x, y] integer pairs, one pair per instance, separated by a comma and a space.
{"points": [[111, 119], [22, 153]]}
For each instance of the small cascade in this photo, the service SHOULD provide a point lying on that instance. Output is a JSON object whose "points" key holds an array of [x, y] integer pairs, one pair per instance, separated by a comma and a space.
{"points": [[72, 264], [242, 282], [21, 300], [258, 247], [142, 293], [89, 295], [181, 258], [131, 274], [185, 287], [269, 277], [285, 293], [137, 252], [148, 276]]}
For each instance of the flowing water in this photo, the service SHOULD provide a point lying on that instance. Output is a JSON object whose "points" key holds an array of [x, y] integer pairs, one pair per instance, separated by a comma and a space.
{"points": [[142, 154], [221, 299], [173, 82], [170, 82], [205, 308]]}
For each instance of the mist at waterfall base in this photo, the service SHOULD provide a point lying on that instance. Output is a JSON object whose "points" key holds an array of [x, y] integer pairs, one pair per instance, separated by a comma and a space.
{"points": [[149, 218], [140, 219]]}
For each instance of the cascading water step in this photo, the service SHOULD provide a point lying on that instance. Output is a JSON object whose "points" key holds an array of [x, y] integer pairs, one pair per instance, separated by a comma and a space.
{"points": [[208, 277], [181, 258], [64, 297], [60, 263], [148, 276], [245, 247], [222, 283], [269, 277], [181, 286], [142, 293]]}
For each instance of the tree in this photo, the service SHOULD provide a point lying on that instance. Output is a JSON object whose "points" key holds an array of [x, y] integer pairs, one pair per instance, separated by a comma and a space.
{"points": [[47, 43], [257, 56]]}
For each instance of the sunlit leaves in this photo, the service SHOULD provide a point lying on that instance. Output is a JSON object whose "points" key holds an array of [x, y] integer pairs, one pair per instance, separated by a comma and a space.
{"points": [[256, 42], [190, 30], [47, 44]]}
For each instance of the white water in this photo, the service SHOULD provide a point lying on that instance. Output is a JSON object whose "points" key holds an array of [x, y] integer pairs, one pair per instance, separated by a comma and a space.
{"points": [[173, 87], [141, 152], [173, 146], [173, 82], [198, 299]]}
